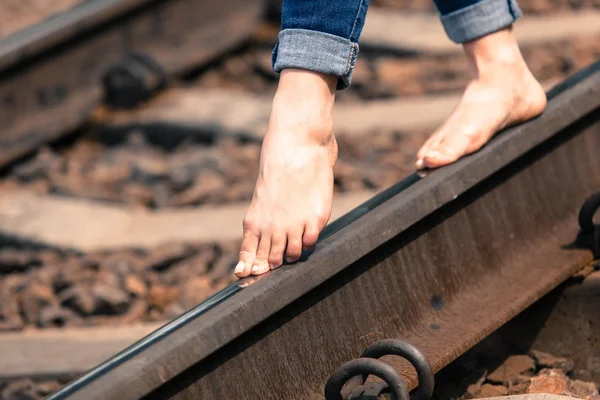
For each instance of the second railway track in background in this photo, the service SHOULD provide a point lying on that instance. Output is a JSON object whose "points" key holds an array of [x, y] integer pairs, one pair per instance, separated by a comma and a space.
{"points": [[439, 260], [51, 73]]}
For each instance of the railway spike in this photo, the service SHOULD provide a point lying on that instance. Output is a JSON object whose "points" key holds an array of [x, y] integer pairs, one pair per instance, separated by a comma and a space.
{"points": [[135, 79], [589, 235]]}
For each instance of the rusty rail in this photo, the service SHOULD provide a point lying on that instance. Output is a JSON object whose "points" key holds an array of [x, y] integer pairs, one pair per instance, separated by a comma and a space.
{"points": [[438, 261], [51, 73]]}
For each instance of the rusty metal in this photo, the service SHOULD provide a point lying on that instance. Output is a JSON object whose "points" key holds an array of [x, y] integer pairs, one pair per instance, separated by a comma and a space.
{"points": [[563, 323], [441, 264], [51, 74], [135, 79], [370, 391], [395, 384], [346, 374]]}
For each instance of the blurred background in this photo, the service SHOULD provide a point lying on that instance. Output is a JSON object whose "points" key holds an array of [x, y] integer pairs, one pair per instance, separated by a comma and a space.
{"points": [[133, 216]]}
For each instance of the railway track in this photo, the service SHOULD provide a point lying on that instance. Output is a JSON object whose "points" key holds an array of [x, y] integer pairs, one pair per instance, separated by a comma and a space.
{"points": [[438, 261], [51, 74]]}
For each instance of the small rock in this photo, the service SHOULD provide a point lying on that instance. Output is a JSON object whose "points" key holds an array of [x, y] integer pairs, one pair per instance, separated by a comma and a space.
{"points": [[10, 318], [55, 316], [122, 263], [517, 382], [108, 278], [35, 297], [549, 383], [473, 382], [195, 265], [583, 272], [173, 311], [163, 256], [196, 290], [205, 187], [80, 298], [224, 266], [150, 169], [48, 256], [22, 389], [13, 283], [112, 299], [137, 194], [135, 313], [521, 388], [136, 286], [552, 372], [514, 365], [46, 388], [489, 390], [12, 260], [104, 174], [545, 360], [161, 296], [583, 389]]}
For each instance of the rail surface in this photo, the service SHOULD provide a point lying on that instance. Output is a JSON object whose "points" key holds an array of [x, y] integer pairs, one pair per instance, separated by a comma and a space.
{"points": [[51, 73], [439, 260]]}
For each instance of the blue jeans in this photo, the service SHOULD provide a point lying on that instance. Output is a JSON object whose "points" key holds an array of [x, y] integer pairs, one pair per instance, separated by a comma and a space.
{"points": [[322, 35]]}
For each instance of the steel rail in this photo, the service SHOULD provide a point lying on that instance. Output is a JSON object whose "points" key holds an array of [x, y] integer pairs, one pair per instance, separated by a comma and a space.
{"points": [[439, 261], [51, 73]]}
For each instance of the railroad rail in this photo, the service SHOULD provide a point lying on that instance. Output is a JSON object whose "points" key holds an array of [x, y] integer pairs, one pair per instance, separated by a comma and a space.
{"points": [[438, 261], [51, 74]]}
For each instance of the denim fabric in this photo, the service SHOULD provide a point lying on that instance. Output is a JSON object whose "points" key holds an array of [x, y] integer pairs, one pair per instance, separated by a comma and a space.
{"points": [[322, 35], [464, 22]]}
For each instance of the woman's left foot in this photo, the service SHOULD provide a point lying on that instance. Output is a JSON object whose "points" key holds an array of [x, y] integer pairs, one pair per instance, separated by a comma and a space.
{"points": [[502, 92]]}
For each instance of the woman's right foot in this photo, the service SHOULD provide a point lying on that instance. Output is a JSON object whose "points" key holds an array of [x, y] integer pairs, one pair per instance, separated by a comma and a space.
{"points": [[502, 92], [294, 190]]}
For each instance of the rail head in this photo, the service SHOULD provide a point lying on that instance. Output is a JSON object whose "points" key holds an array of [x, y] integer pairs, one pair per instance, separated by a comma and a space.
{"points": [[61, 27], [240, 307]]}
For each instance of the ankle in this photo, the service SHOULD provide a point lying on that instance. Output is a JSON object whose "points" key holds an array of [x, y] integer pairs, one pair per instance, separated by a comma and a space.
{"points": [[303, 106], [498, 50], [305, 87]]}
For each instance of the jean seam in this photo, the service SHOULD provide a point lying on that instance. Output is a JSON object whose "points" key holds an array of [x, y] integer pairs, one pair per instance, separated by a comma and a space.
{"points": [[358, 13], [479, 19], [350, 56]]}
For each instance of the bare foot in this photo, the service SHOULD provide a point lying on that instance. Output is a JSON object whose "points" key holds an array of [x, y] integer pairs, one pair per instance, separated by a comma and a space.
{"points": [[502, 92], [293, 194]]}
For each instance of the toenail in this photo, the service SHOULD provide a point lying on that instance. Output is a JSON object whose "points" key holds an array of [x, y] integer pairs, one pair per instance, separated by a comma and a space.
{"points": [[239, 268], [255, 269], [274, 266], [433, 154], [419, 164]]}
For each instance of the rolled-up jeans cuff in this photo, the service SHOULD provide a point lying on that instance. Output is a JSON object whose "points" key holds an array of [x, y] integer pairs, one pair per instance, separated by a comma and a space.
{"points": [[480, 19], [316, 51]]}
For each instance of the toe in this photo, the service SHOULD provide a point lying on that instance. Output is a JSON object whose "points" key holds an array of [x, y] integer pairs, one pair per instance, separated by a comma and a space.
{"points": [[278, 242], [431, 143], [455, 144], [310, 236], [247, 254], [261, 263], [294, 245]]}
